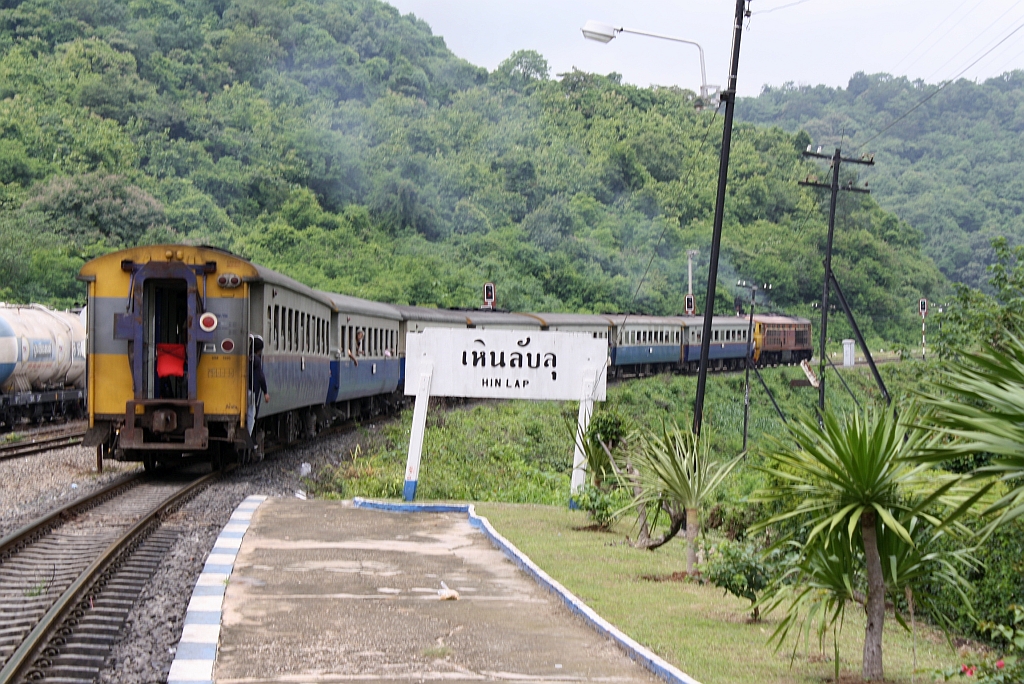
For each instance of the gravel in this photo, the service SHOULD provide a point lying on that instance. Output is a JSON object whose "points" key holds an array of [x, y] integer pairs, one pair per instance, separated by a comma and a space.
{"points": [[32, 486], [146, 648]]}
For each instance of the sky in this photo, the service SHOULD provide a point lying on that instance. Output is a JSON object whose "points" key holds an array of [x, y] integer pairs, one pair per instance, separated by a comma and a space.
{"points": [[807, 42]]}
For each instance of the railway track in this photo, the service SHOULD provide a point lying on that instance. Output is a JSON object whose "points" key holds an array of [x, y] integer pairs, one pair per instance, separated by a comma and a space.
{"points": [[37, 445], [68, 580]]}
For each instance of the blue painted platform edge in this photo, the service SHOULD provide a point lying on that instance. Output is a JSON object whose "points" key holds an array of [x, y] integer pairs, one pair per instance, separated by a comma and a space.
{"points": [[645, 657], [395, 507], [199, 670]]}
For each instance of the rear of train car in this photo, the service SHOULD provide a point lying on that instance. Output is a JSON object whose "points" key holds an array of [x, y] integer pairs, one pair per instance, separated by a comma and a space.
{"points": [[170, 329]]}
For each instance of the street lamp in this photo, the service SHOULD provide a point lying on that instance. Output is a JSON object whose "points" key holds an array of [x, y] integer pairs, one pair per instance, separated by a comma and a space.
{"points": [[603, 33], [750, 341]]}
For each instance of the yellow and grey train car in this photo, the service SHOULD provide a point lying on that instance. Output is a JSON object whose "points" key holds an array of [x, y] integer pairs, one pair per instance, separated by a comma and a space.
{"points": [[170, 330]]}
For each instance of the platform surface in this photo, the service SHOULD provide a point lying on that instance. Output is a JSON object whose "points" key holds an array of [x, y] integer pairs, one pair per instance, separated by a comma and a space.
{"points": [[323, 592]]}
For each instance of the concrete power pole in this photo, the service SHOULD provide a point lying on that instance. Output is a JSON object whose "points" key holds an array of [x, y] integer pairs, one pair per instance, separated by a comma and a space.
{"points": [[690, 254]]}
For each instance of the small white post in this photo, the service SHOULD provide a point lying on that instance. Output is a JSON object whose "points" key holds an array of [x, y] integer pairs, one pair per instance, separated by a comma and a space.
{"points": [[419, 425], [848, 360], [579, 461]]}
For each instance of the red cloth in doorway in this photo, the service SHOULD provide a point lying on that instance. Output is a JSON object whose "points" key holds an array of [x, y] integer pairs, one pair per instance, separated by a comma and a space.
{"points": [[170, 360]]}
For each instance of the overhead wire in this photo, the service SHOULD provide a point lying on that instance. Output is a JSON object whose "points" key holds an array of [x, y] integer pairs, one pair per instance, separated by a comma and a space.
{"points": [[939, 39], [922, 41], [664, 229], [782, 7], [941, 87], [973, 40]]}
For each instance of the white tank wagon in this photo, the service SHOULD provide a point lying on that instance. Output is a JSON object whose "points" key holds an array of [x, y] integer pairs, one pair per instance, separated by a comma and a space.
{"points": [[42, 363]]}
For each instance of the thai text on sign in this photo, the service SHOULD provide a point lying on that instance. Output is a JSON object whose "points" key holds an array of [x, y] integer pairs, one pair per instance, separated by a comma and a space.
{"points": [[507, 364]]}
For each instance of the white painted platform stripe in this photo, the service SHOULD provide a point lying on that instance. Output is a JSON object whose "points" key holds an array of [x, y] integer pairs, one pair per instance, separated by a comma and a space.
{"points": [[641, 654], [197, 649]]}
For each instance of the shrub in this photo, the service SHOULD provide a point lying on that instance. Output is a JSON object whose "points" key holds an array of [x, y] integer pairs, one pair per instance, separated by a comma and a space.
{"points": [[999, 578], [1005, 668], [739, 568], [602, 506]]}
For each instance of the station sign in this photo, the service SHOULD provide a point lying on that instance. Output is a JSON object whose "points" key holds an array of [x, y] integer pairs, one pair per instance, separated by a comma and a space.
{"points": [[507, 364]]}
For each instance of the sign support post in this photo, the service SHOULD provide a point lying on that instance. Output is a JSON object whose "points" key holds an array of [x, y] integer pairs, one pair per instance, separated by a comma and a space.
{"points": [[419, 426], [503, 364], [579, 459]]}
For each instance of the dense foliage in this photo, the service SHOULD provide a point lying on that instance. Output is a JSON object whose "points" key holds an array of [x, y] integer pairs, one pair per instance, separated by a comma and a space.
{"points": [[952, 169], [342, 143]]}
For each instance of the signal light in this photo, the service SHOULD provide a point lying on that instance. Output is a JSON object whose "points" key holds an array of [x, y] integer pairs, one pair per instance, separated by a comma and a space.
{"points": [[228, 280], [689, 304], [208, 322], [227, 346]]}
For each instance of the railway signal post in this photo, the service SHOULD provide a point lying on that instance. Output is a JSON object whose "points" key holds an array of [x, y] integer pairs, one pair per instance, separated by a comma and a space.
{"points": [[749, 357], [922, 306]]}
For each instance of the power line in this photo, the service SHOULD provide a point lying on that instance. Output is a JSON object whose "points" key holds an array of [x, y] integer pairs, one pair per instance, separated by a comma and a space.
{"points": [[941, 87], [1012, 60], [939, 39], [786, 6], [664, 229], [922, 41], [983, 31]]}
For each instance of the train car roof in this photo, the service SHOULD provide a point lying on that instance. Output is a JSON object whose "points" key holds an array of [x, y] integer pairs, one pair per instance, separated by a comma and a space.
{"points": [[272, 277], [556, 319], [422, 313], [468, 318], [481, 317], [637, 319], [348, 304], [778, 318]]}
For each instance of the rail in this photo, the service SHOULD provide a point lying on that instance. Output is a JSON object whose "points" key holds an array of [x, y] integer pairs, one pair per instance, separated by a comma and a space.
{"points": [[24, 658]]}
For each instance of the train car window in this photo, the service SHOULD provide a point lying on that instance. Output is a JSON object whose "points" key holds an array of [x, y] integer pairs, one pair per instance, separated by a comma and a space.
{"points": [[305, 320], [276, 329]]}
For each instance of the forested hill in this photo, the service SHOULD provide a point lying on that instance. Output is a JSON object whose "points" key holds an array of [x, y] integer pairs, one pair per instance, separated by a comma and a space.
{"points": [[953, 168], [343, 144]]}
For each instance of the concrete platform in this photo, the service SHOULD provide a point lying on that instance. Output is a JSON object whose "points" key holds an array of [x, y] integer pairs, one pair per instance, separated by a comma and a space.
{"points": [[324, 592]]}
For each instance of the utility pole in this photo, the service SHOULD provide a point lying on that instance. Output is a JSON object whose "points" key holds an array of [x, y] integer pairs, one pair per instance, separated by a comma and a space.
{"points": [[836, 159], [729, 97]]}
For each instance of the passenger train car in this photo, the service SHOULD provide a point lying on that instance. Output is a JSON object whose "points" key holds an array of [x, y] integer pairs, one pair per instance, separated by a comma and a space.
{"points": [[172, 328]]}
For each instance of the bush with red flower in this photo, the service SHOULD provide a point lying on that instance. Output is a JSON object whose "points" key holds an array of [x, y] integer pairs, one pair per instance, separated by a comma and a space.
{"points": [[1005, 669]]}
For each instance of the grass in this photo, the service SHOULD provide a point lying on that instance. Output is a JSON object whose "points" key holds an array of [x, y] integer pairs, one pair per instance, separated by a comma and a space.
{"points": [[695, 627], [521, 451]]}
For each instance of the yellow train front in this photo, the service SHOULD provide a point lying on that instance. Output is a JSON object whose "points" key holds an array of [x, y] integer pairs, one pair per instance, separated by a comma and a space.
{"points": [[168, 334]]}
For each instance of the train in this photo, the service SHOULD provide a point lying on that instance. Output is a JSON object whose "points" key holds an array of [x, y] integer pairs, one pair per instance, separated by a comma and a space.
{"points": [[172, 329], [42, 365]]}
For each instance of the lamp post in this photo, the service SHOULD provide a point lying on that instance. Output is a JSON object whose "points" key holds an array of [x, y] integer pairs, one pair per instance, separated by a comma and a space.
{"points": [[604, 33], [750, 341]]}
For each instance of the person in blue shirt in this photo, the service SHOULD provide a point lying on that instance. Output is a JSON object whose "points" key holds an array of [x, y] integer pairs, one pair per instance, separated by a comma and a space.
{"points": [[257, 383]]}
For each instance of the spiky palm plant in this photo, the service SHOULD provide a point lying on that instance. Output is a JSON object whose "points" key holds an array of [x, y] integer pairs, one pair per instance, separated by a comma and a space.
{"points": [[856, 482], [981, 407], [676, 467]]}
